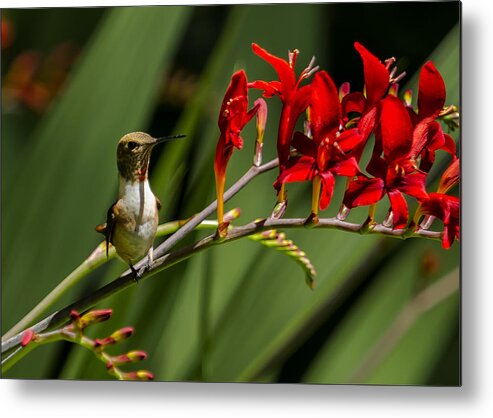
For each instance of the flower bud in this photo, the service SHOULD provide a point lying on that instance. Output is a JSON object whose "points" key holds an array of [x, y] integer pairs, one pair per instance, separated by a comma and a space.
{"points": [[279, 209], [408, 97], [232, 215], [130, 357], [27, 336], [450, 177], [122, 334], [74, 315], [394, 89], [261, 117], [117, 336], [138, 375], [94, 317], [344, 90]]}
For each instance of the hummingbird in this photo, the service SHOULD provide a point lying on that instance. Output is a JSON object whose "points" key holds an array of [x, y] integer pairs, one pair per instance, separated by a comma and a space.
{"points": [[131, 222]]}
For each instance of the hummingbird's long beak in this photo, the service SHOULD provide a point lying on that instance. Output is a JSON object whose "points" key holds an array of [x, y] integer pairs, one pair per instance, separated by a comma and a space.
{"points": [[168, 138]]}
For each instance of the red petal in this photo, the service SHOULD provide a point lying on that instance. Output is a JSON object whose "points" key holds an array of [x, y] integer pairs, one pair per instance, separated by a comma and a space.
{"points": [[363, 191], [349, 139], [442, 206], [287, 122], [236, 140], [399, 209], [427, 135], [353, 102], [346, 168], [222, 156], [270, 89], [445, 208], [396, 129], [431, 93], [305, 145], [377, 166], [413, 185], [282, 68], [300, 101], [237, 89], [434, 206], [376, 75], [450, 232], [412, 115], [328, 182], [367, 122], [325, 109], [301, 170]]}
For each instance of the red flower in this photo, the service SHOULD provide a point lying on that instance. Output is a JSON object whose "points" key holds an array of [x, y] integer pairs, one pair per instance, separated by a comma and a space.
{"points": [[394, 173], [293, 97], [329, 152], [232, 119], [377, 82], [445, 207], [428, 136]]}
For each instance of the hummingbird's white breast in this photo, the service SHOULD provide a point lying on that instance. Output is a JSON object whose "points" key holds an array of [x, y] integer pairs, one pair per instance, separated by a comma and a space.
{"points": [[136, 220]]}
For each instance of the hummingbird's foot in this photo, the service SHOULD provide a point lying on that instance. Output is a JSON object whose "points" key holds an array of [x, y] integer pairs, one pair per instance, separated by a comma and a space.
{"points": [[137, 273]]}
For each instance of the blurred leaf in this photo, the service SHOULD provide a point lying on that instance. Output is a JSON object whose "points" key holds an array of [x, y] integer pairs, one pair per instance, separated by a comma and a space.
{"points": [[370, 317]]}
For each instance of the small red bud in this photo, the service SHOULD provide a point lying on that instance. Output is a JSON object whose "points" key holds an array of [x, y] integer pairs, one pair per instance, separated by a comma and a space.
{"points": [[74, 315], [145, 375], [121, 359], [104, 341], [408, 97], [98, 343], [344, 89], [131, 357], [232, 215], [138, 375], [27, 336], [121, 334], [94, 317], [137, 355]]}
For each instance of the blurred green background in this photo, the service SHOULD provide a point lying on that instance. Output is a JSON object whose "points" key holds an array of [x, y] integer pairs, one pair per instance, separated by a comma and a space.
{"points": [[75, 80]]}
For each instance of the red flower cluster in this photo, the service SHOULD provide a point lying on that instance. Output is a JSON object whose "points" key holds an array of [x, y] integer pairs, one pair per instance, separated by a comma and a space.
{"points": [[337, 131]]}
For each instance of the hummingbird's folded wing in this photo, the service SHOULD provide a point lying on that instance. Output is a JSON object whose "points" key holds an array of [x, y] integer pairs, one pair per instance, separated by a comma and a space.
{"points": [[107, 228]]}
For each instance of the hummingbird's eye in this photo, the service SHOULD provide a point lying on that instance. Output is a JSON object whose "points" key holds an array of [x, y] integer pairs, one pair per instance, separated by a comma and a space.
{"points": [[132, 145]]}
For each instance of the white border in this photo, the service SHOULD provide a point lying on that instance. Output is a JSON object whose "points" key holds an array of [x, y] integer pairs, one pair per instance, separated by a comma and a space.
{"points": [[99, 399]]}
